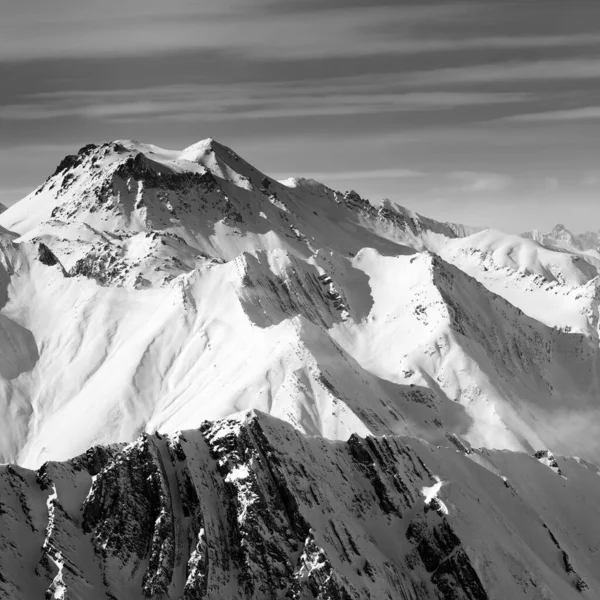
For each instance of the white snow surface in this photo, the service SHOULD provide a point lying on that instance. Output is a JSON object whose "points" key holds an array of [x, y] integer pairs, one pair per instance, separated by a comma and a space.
{"points": [[430, 493], [188, 286]]}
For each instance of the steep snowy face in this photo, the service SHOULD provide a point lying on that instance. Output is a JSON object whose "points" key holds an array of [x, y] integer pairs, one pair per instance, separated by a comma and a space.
{"points": [[249, 508], [252, 332], [523, 385], [144, 289], [556, 287]]}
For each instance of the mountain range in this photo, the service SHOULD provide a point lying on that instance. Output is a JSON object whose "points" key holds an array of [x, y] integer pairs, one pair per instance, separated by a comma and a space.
{"points": [[216, 384], [561, 237]]}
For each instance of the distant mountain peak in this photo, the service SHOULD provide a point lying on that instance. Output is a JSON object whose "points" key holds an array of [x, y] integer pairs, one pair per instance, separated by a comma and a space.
{"points": [[561, 237]]}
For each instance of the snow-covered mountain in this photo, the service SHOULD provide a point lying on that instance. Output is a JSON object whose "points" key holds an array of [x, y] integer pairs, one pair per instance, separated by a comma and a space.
{"points": [[144, 290], [561, 237]]}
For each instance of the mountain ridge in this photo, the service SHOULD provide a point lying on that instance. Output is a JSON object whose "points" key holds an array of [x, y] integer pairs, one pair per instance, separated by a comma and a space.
{"points": [[561, 237], [141, 241]]}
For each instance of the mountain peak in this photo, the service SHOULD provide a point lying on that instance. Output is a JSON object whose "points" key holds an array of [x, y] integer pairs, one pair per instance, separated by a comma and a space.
{"points": [[223, 162], [562, 237], [207, 144]]}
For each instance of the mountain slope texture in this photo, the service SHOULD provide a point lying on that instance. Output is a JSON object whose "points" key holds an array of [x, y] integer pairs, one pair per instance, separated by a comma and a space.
{"points": [[276, 390]]}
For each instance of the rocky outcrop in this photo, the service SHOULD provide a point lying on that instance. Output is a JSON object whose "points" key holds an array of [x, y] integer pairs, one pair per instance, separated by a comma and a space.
{"points": [[250, 508], [73, 160], [46, 256]]}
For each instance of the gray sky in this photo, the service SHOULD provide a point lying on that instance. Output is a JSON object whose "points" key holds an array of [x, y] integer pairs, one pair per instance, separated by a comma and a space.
{"points": [[481, 112]]}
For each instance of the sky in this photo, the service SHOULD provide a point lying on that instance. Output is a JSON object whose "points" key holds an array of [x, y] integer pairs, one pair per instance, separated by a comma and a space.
{"points": [[483, 112]]}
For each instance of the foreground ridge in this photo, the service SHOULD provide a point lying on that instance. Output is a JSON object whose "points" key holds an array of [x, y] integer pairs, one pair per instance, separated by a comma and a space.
{"points": [[248, 507]]}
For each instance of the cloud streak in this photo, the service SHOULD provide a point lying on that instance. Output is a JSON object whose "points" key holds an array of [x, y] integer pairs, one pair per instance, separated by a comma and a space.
{"points": [[31, 30], [130, 27], [472, 181], [360, 174], [251, 101], [517, 71], [584, 113]]}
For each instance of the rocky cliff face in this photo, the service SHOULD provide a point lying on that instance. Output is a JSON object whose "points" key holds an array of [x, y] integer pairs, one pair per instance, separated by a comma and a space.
{"points": [[249, 508]]}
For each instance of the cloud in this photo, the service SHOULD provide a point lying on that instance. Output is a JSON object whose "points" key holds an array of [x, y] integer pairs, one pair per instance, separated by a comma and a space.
{"points": [[361, 174], [131, 27], [564, 69], [281, 30], [336, 97], [516, 42], [585, 113], [575, 428], [591, 180], [473, 181]]}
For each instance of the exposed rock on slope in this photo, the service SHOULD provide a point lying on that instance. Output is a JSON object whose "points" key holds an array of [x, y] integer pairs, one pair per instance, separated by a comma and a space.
{"points": [[250, 508]]}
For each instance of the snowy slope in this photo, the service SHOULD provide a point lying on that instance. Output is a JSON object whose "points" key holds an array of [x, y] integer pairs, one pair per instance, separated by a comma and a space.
{"points": [[143, 289], [250, 508], [523, 385]]}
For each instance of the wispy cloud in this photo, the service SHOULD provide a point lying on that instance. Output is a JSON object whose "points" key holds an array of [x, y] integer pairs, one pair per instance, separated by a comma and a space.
{"points": [[585, 113], [360, 174], [348, 96], [118, 28], [31, 30], [591, 180], [517, 71], [473, 181]]}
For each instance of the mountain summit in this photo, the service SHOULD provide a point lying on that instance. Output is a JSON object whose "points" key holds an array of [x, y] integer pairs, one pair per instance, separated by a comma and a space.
{"points": [[179, 207]]}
